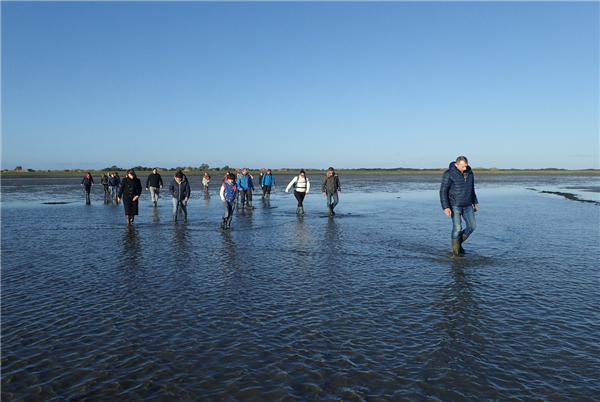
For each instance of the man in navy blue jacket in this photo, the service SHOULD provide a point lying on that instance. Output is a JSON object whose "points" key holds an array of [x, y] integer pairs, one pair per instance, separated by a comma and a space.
{"points": [[457, 195]]}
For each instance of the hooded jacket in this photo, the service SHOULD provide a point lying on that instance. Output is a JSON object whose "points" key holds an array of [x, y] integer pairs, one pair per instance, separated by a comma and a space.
{"points": [[244, 182], [268, 180], [180, 191], [331, 184], [457, 189]]}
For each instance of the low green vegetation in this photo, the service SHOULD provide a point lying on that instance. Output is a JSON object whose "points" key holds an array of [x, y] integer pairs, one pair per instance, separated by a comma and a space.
{"points": [[192, 171]]}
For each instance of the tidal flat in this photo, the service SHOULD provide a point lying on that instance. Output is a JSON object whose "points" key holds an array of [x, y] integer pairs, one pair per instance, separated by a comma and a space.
{"points": [[363, 306]]}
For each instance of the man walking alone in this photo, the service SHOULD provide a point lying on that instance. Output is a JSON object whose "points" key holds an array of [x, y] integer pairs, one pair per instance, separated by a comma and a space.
{"points": [[457, 195], [154, 183]]}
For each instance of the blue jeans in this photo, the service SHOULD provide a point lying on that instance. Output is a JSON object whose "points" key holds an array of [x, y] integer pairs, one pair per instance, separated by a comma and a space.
{"points": [[114, 191], [335, 197], [468, 214], [183, 206], [228, 207]]}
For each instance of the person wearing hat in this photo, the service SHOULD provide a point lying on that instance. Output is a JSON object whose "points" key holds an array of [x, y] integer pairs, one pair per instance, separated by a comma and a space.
{"points": [[301, 187], [330, 187]]}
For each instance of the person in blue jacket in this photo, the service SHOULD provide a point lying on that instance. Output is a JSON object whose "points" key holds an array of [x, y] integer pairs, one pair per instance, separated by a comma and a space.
{"points": [[267, 182], [228, 195], [458, 199], [245, 187]]}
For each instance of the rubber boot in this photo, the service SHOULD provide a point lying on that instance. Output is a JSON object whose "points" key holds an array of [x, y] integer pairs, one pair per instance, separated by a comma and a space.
{"points": [[302, 210], [456, 247], [223, 223], [174, 218], [228, 226], [268, 196], [250, 205], [185, 218], [462, 239], [329, 211], [298, 210]]}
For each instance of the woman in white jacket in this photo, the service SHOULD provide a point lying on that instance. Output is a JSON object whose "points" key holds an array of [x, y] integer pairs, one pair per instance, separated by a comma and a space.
{"points": [[301, 187]]}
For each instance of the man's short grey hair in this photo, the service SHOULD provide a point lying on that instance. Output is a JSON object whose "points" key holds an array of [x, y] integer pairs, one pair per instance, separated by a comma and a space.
{"points": [[462, 159]]}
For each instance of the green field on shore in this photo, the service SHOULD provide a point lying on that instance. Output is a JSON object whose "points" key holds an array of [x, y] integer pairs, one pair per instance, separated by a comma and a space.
{"points": [[215, 173]]}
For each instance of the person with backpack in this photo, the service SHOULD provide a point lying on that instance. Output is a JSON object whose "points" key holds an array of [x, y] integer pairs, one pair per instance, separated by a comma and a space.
{"points": [[267, 182], [245, 187], [301, 187]]}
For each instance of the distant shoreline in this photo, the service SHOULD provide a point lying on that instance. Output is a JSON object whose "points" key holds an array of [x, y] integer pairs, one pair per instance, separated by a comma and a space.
{"points": [[396, 171]]}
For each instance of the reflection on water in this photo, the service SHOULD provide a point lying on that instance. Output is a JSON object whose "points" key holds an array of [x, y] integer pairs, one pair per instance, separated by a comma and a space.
{"points": [[132, 248]]}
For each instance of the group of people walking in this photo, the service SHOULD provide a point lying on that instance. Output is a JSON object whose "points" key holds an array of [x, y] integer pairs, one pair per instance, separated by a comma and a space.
{"points": [[457, 194]]}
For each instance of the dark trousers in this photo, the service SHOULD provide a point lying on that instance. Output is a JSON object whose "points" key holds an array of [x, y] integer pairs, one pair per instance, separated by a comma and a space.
{"points": [[300, 197], [266, 190], [246, 195]]}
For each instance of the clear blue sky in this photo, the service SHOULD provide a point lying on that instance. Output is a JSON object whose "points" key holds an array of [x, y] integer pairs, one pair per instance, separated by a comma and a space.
{"points": [[300, 84]]}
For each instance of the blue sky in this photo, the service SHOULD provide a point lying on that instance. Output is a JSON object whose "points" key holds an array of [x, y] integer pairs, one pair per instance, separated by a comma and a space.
{"points": [[300, 84]]}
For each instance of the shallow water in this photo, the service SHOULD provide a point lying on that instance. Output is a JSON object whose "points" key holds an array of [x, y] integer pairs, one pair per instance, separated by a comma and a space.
{"points": [[364, 306]]}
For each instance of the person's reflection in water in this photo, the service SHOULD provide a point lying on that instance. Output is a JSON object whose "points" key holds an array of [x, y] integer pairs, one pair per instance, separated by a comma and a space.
{"points": [[206, 197], [181, 245], [461, 321], [300, 234], [132, 249], [332, 235], [228, 260], [155, 216]]}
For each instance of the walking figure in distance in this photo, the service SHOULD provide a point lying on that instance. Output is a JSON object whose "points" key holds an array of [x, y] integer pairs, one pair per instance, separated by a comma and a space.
{"points": [[205, 181], [245, 187], [228, 194], [87, 184], [113, 183], [301, 187], [154, 183], [130, 191], [457, 195], [267, 182], [104, 182], [330, 187], [180, 190]]}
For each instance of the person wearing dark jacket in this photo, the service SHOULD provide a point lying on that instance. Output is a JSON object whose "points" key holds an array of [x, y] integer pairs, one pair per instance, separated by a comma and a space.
{"points": [[113, 183], [180, 190], [330, 186], [458, 199], [130, 191], [154, 183], [87, 184]]}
